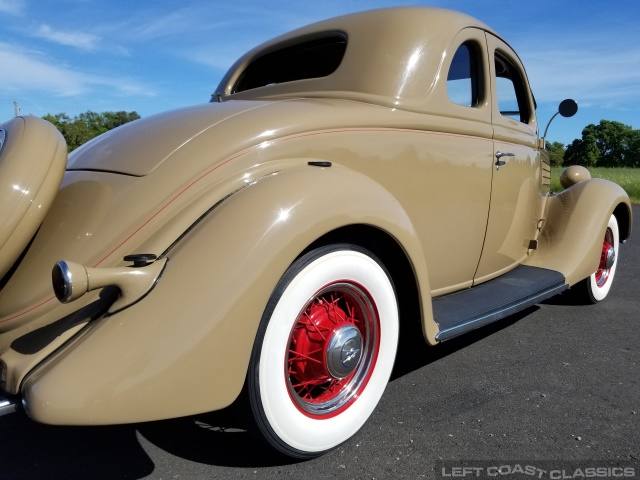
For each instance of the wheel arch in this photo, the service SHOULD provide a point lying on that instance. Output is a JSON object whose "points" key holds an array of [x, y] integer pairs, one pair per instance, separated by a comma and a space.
{"points": [[395, 259], [625, 220]]}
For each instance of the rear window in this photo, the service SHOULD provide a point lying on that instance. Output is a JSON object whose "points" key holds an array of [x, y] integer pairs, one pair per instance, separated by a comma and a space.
{"points": [[314, 58]]}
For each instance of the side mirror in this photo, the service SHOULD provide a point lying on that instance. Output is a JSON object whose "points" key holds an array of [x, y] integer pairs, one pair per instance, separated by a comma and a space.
{"points": [[567, 108]]}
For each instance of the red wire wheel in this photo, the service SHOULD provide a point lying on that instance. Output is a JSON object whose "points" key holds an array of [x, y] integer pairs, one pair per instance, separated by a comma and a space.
{"points": [[333, 349], [607, 258], [596, 287], [324, 351]]}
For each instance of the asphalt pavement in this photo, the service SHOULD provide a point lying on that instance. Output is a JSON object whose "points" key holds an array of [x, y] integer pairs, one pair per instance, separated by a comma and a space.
{"points": [[551, 388]]}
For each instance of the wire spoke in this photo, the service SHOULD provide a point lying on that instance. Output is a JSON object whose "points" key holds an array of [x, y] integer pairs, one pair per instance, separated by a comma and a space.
{"points": [[311, 383], [302, 355]]}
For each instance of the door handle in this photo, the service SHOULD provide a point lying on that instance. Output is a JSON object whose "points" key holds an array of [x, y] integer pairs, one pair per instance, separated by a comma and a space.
{"points": [[499, 155]]}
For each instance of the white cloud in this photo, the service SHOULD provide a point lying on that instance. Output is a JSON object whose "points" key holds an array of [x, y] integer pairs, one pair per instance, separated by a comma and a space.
{"points": [[146, 26], [199, 22], [215, 59], [13, 7], [167, 25], [586, 59], [28, 71], [590, 75], [80, 40]]}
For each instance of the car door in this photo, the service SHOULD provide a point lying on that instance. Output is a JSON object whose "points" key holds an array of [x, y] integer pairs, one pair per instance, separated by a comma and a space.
{"points": [[514, 189], [455, 182]]}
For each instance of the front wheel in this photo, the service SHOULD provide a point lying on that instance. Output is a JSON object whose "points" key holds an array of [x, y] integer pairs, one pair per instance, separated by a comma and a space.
{"points": [[324, 350], [596, 287]]}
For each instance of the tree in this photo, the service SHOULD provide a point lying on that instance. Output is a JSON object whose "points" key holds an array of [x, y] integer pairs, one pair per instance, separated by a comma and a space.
{"points": [[115, 119], [87, 125], [556, 153], [633, 157], [608, 144], [612, 141], [583, 152]]}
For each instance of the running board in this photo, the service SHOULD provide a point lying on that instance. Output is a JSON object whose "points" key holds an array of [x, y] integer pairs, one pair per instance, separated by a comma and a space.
{"points": [[478, 306]]}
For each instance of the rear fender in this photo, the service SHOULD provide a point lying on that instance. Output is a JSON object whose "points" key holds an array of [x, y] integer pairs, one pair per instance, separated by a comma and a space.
{"points": [[571, 238], [185, 348]]}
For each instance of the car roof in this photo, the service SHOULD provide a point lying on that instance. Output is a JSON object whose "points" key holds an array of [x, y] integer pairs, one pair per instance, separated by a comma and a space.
{"points": [[392, 53]]}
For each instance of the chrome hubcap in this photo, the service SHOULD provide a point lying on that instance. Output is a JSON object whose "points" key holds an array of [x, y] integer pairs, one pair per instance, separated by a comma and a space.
{"points": [[344, 351], [611, 257]]}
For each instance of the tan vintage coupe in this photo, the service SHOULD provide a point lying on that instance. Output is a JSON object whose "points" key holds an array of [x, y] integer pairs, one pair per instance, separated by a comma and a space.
{"points": [[271, 241]]}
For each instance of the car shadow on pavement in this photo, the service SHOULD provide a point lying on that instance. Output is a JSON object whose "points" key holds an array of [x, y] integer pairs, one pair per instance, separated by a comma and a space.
{"points": [[33, 450], [414, 353], [219, 438], [568, 298]]}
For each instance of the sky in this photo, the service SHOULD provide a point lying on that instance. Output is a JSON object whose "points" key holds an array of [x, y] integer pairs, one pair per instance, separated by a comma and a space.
{"points": [[70, 56]]}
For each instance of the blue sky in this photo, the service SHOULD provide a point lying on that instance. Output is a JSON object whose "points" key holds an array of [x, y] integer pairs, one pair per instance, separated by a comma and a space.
{"points": [[76, 55]]}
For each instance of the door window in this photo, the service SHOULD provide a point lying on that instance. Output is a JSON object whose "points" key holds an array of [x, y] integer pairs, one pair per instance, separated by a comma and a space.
{"points": [[510, 89]]}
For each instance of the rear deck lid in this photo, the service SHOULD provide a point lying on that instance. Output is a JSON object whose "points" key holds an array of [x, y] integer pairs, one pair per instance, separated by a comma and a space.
{"points": [[139, 147]]}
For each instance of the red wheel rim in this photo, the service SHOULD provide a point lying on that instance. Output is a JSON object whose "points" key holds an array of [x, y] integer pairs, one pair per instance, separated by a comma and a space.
{"points": [[333, 349], [603, 272]]}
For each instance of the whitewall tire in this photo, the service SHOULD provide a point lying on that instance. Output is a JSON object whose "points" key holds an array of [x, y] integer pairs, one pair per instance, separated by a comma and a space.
{"points": [[324, 350], [596, 287]]}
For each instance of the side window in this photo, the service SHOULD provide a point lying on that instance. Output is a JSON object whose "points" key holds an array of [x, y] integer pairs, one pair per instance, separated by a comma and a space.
{"points": [[510, 89], [463, 77]]}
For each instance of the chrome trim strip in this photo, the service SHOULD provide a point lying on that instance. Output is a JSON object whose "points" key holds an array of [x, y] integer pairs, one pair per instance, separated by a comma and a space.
{"points": [[8, 404], [211, 209]]}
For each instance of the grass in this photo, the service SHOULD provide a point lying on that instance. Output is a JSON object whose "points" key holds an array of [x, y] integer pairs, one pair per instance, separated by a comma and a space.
{"points": [[627, 178]]}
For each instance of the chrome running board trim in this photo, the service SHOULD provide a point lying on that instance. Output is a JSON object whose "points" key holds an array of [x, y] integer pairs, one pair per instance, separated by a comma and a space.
{"points": [[8, 404]]}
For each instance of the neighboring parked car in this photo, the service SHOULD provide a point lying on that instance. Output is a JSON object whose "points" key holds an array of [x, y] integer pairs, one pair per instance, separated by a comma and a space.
{"points": [[273, 239]]}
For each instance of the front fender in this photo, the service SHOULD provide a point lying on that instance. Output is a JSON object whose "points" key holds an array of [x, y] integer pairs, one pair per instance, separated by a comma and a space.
{"points": [[571, 239], [185, 348]]}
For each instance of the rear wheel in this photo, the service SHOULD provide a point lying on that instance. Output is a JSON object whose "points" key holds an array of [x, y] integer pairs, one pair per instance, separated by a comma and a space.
{"points": [[324, 350], [596, 287]]}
